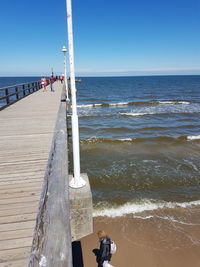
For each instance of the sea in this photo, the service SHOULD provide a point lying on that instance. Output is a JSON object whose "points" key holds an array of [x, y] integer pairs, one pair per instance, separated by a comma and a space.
{"points": [[140, 141]]}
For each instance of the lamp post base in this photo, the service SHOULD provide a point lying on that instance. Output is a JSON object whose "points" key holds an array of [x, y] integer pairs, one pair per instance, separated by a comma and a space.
{"points": [[77, 183]]}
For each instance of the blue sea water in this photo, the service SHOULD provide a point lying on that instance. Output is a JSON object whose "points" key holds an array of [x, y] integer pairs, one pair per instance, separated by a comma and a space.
{"points": [[140, 139], [9, 81]]}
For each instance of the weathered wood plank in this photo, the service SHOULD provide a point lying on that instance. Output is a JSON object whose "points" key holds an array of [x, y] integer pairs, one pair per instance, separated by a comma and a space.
{"points": [[18, 205], [17, 200], [22, 182], [14, 255], [16, 226], [15, 243], [34, 183], [15, 234], [16, 211], [18, 263], [23, 171], [18, 218], [19, 192], [4, 168], [21, 174], [20, 195], [23, 179]]}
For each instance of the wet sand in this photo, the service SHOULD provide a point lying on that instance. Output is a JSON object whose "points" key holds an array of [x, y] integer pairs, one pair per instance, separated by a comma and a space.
{"points": [[148, 241]]}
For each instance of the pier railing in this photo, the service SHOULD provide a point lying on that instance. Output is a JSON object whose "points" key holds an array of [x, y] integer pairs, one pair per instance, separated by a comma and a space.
{"points": [[11, 94]]}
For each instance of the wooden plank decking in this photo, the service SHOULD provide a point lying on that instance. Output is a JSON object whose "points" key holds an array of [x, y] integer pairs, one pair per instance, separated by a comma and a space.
{"points": [[26, 131]]}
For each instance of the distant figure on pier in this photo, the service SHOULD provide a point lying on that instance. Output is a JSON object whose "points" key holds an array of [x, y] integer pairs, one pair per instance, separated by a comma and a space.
{"points": [[104, 254], [51, 81], [44, 84], [61, 78]]}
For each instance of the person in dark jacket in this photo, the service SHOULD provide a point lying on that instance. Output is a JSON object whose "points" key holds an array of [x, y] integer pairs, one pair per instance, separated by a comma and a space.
{"points": [[51, 80], [104, 251]]}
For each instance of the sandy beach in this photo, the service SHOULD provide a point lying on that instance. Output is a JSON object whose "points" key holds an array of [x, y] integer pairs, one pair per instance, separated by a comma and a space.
{"points": [[152, 241]]}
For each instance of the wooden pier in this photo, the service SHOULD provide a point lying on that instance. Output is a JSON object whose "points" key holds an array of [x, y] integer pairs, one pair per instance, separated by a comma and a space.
{"points": [[26, 132]]}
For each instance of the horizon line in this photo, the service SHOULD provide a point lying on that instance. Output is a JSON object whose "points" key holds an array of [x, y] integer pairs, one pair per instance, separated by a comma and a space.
{"points": [[103, 76]]}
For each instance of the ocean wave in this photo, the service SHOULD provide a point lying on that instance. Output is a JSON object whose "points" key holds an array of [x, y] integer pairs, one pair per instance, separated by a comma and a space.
{"points": [[193, 137], [136, 114], [161, 112], [85, 106], [174, 102], [135, 103], [138, 140], [135, 208], [168, 218]]}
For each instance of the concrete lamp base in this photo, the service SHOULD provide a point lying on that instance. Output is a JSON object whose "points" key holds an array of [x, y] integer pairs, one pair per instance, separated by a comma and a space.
{"points": [[77, 183], [81, 210]]}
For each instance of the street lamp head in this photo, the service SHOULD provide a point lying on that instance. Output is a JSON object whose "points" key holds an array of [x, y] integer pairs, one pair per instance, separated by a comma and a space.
{"points": [[64, 49]]}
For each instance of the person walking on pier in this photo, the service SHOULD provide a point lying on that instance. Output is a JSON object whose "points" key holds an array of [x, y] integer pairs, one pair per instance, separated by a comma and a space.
{"points": [[61, 78], [44, 84], [104, 254], [51, 80]]}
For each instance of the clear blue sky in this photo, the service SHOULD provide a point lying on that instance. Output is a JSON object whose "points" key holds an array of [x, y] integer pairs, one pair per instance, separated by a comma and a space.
{"points": [[111, 37]]}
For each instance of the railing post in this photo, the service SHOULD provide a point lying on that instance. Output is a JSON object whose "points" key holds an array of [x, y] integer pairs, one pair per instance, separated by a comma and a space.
{"points": [[7, 97], [23, 88], [16, 91], [29, 90], [33, 89]]}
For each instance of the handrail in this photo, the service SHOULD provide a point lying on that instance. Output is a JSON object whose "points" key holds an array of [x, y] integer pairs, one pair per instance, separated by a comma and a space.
{"points": [[20, 84], [16, 92], [52, 236], [20, 91]]}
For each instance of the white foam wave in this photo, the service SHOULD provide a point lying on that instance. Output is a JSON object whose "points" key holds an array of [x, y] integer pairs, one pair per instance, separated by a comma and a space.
{"points": [[102, 104], [133, 208], [119, 104], [135, 114], [85, 106], [193, 137], [168, 218], [125, 139], [174, 102], [97, 105]]}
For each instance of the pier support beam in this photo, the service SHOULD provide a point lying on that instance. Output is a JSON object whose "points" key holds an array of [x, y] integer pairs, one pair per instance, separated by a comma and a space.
{"points": [[81, 210]]}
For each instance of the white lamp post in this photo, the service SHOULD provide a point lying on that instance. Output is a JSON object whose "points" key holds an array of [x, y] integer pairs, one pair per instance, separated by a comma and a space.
{"points": [[64, 50], [77, 181]]}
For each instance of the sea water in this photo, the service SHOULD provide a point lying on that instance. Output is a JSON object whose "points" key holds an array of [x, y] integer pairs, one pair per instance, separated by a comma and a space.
{"points": [[140, 142]]}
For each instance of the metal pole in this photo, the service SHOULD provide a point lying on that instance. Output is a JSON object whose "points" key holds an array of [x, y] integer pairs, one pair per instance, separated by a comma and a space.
{"points": [[66, 83], [77, 181]]}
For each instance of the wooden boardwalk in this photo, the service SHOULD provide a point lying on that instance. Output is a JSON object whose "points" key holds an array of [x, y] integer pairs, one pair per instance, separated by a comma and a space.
{"points": [[26, 131]]}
